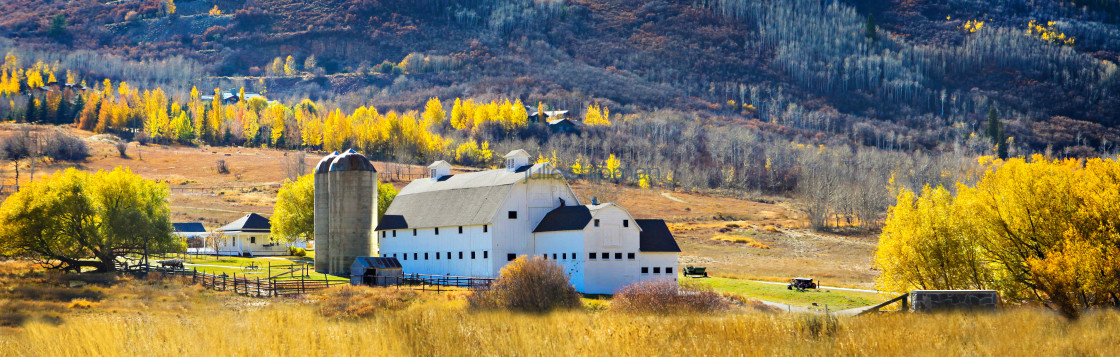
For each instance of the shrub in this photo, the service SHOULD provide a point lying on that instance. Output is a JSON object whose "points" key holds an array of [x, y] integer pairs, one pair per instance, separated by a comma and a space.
{"points": [[664, 296], [361, 301], [528, 284], [62, 146], [297, 251], [122, 148], [81, 304], [221, 167]]}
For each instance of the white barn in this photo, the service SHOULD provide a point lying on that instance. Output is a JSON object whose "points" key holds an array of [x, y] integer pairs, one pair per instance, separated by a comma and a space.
{"points": [[472, 224]]}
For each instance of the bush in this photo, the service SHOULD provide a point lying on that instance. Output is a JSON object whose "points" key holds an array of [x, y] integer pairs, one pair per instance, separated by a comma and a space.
{"points": [[297, 251], [817, 326], [62, 146], [664, 296], [361, 301], [528, 284]]}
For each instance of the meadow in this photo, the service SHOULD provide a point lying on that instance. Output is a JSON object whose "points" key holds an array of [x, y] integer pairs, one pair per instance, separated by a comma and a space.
{"points": [[109, 315]]}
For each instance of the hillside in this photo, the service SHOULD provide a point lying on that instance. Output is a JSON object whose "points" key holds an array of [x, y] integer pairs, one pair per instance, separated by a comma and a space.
{"points": [[880, 73]]}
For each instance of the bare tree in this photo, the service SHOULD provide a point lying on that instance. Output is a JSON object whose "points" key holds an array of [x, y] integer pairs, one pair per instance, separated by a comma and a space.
{"points": [[295, 164]]}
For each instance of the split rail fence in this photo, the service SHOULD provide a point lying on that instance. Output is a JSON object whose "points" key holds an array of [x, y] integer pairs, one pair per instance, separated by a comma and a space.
{"points": [[258, 287]]}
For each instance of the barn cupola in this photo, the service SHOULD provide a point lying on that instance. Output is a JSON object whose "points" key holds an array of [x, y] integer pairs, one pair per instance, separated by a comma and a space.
{"points": [[439, 169], [516, 159]]}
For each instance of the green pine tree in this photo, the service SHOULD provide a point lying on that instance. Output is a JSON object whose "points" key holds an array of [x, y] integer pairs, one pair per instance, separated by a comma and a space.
{"points": [[31, 114]]}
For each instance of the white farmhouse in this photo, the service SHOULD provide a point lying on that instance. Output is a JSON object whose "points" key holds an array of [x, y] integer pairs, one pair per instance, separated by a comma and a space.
{"points": [[250, 235], [473, 224]]}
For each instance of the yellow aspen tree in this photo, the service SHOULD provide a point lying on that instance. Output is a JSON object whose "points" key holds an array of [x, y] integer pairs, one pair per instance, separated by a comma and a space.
{"points": [[614, 166], [433, 113], [458, 117], [518, 117]]}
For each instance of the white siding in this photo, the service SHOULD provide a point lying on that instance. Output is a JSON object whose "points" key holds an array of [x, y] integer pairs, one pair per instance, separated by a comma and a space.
{"points": [[448, 241], [257, 243], [659, 265], [567, 248]]}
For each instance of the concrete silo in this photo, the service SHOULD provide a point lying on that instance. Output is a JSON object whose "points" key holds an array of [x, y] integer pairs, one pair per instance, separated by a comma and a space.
{"points": [[322, 213], [352, 187]]}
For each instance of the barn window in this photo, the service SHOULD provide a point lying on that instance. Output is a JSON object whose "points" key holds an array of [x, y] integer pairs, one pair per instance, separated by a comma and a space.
{"points": [[382, 234], [606, 256], [626, 223], [460, 229], [657, 270], [618, 256], [564, 256], [668, 270], [405, 256], [645, 270], [574, 256], [394, 233], [437, 255], [414, 232], [485, 227], [512, 214], [630, 256], [415, 256], [553, 256], [448, 255], [510, 257], [486, 254], [472, 254], [460, 255], [253, 240], [425, 256], [596, 222], [591, 256], [437, 231]]}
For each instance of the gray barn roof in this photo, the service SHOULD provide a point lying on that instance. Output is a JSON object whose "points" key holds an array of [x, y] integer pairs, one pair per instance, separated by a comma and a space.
{"points": [[376, 263], [656, 237], [249, 223], [455, 200]]}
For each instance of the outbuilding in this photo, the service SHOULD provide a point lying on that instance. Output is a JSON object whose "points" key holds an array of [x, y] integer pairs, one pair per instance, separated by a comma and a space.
{"points": [[375, 271]]}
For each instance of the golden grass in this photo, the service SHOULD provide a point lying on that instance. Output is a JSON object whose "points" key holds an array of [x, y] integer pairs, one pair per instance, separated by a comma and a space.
{"points": [[163, 316], [291, 329], [738, 239]]}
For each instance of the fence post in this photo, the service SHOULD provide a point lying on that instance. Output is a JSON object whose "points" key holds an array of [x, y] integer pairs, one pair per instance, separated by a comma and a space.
{"points": [[258, 287]]}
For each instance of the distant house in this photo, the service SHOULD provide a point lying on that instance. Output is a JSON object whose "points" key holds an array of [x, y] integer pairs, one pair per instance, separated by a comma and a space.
{"points": [[564, 125], [230, 97], [536, 117], [193, 232], [250, 235]]}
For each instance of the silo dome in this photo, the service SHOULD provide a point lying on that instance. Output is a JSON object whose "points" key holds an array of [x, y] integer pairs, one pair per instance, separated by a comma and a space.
{"points": [[324, 165], [351, 161]]}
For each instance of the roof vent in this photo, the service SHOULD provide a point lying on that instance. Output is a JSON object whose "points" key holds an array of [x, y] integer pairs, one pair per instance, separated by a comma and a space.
{"points": [[516, 159], [439, 169]]}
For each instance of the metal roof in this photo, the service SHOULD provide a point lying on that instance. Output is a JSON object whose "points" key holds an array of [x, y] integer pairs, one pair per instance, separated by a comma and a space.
{"points": [[568, 218], [656, 237], [324, 165], [249, 223], [189, 227], [376, 263], [351, 161], [457, 200]]}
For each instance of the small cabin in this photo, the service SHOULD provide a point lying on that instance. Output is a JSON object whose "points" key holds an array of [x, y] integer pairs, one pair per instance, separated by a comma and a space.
{"points": [[536, 116], [250, 235], [375, 271], [192, 232], [564, 125]]}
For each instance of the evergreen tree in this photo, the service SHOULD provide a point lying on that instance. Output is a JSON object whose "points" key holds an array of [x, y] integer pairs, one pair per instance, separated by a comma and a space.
{"points": [[995, 131], [31, 114], [870, 29], [61, 116], [79, 105]]}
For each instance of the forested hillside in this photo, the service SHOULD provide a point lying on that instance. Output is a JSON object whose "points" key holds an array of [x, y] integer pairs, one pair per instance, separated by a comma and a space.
{"points": [[772, 96]]}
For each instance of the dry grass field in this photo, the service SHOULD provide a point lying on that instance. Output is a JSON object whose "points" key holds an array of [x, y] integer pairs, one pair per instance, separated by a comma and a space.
{"points": [[108, 315]]}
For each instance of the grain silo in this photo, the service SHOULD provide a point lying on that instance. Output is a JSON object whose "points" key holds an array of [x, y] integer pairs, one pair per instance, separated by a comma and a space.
{"points": [[352, 187], [322, 214]]}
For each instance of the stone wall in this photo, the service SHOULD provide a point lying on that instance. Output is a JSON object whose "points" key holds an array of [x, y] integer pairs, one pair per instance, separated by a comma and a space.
{"points": [[944, 300]]}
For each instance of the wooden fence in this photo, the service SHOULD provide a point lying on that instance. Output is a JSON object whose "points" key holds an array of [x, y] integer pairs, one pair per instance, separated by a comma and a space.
{"points": [[437, 283], [258, 287]]}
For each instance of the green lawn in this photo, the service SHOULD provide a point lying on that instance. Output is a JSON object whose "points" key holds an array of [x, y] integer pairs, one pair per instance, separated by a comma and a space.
{"points": [[836, 300], [238, 265]]}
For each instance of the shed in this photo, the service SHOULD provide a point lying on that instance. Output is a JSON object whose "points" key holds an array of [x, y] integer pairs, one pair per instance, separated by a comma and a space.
{"points": [[375, 271]]}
